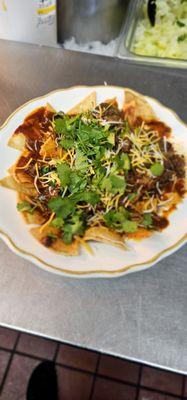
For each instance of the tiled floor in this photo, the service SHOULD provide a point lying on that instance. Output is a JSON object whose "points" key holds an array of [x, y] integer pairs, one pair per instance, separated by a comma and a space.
{"points": [[82, 374]]}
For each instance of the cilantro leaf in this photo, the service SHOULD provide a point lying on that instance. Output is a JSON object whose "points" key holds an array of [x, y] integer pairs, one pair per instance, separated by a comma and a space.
{"points": [[111, 138], [115, 219], [62, 207], [114, 184], [91, 198], [147, 220], [125, 160], [44, 170], [66, 143], [91, 136], [64, 173], [88, 197], [81, 162], [119, 220], [25, 206], [67, 235], [57, 222], [100, 173], [60, 125], [75, 226], [77, 182], [129, 226]]}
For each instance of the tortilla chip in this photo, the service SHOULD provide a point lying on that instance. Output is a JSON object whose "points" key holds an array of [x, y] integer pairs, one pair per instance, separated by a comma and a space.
{"points": [[50, 108], [36, 218], [10, 183], [23, 178], [136, 106], [140, 234], [104, 235], [11, 170], [31, 128], [112, 101], [19, 172], [17, 141], [87, 104], [57, 244], [49, 149], [158, 126]]}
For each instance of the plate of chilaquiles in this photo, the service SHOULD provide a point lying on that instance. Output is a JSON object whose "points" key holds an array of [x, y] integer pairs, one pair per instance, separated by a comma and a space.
{"points": [[93, 181]]}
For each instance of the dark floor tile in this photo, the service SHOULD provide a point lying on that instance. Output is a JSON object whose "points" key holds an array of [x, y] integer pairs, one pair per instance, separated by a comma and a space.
{"points": [[73, 385], [17, 379], [119, 369], [147, 395], [76, 357], [36, 346], [4, 358], [185, 387], [162, 380], [7, 338], [110, 390]]}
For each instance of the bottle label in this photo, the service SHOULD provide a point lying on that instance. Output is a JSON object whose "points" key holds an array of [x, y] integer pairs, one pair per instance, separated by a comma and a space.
{"points": [[46, 12]]}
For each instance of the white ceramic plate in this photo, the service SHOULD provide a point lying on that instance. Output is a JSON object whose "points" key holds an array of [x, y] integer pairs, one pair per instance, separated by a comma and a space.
{"points": [[107, 261]]}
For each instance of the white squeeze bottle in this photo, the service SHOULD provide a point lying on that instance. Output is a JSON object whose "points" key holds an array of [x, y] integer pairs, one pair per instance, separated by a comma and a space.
{"points": [[32, 21]]}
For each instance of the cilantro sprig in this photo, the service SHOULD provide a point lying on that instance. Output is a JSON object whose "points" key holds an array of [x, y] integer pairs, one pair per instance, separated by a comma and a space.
{"points": [[25, 206], [94, 172], [120, 220]]}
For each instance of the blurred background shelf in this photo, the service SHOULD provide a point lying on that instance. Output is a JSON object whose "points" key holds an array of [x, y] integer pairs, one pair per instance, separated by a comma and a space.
{"points": [[105, 27]]}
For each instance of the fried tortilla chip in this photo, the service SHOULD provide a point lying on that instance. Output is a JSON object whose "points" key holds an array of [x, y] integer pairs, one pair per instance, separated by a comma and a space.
{"points": [[49, 149], [136, 106], [158, 126], [33, 128], [19, 170], [87, 104], [104, 235], [36, 218], [33, 219], [50, 108], [10, 183], [49, 238], [140, 234], [112, 102], [17, 141]]}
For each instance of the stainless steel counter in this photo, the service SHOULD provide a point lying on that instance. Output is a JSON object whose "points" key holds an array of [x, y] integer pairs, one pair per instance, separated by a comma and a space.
{"points": [[142, 316]]}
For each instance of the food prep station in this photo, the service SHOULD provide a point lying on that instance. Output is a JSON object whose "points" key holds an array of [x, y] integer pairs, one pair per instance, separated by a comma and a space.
{"points": [[125, 48], [119, 40], [142, 316], [106, 27]]}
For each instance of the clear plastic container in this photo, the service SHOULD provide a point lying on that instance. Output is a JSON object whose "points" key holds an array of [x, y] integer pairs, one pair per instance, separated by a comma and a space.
{"points": [[125, 47]]}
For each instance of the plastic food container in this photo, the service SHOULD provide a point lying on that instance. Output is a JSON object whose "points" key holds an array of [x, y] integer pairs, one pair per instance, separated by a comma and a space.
{"points": [[125, 46]]}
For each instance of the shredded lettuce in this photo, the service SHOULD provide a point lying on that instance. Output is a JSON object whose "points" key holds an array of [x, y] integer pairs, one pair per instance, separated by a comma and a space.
{"points": [[168, 37]]}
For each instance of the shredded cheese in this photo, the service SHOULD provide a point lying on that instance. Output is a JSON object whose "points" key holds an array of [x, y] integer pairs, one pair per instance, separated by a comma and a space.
{"points": [[44, 156], [37, 172], [26, 165], [35, 183], [47, 222], [85, 245]]}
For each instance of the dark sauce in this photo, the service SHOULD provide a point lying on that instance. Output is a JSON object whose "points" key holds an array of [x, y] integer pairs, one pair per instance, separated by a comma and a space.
{"points": [[110, 111], [160, 127], [47, 241], [159, 223], [34, 127]]}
